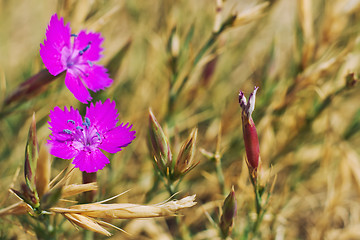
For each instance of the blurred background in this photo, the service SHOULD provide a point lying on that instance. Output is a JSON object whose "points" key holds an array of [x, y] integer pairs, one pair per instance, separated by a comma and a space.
{"points": [[304, 55]]}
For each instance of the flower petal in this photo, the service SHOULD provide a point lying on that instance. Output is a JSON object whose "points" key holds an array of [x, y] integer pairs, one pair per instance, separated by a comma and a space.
{"points": [[57, 37], [97, 77], [62, 150], [90, 161], [102, 115], [75, 85], [90, 42], [251, 104], [67, 119], [117, 138]]}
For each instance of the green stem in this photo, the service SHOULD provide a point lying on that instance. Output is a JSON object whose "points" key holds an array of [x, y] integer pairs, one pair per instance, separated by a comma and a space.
{"points": [[259, 208], [153, 190], [220, 175]]}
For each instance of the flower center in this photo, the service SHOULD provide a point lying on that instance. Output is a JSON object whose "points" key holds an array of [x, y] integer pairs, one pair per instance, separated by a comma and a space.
{"points": [[75, 57], [84, 136], [72, 58]]}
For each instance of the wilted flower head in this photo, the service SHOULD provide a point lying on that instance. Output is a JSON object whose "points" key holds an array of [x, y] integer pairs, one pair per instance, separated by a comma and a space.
{"points": [[249, 132], [60, 53], [82, 140]]}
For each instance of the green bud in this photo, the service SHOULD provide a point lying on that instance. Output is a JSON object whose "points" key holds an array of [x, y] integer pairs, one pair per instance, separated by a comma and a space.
{"points": [[159, 145], [229, 212], [27, 196], [31, 156], [184, 162]]}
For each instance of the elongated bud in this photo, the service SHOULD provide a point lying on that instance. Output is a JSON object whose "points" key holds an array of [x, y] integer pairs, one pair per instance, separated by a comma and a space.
{"points": [[159, 145], [184, 161], [249, 132], [31, 156], [229, 213]]}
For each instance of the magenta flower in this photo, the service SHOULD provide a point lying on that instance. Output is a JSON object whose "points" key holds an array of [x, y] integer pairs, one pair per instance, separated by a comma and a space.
{"points": [[76, 57], [82, 140]]}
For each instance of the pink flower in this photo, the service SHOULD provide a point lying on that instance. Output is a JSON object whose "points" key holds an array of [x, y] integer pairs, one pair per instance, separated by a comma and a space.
{"points": [[76, 57], [82, 140]]}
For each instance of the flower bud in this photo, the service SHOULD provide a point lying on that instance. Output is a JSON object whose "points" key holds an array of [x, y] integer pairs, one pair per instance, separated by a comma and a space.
{"points": [[31, 157], [27, 196], [229, 212], [184, 161], [159, 145], [249, 132]]}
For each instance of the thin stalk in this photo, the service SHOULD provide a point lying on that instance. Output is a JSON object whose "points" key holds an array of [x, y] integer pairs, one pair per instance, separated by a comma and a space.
{"points": [[88, 197], [173, 93], [219, 170], [154, 188], [220, 175]]}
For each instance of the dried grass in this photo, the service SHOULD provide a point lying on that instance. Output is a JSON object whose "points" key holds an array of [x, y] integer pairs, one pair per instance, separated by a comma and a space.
{"points": [[299, 53]]}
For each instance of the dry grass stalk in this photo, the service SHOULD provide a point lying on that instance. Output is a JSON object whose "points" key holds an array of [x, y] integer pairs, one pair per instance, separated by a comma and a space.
{"points": [[127, 210], [218, 18], [15, 209], [86, 223], [307, 21], [60, 179], [42, 179], [250, 15], [74, 189]]}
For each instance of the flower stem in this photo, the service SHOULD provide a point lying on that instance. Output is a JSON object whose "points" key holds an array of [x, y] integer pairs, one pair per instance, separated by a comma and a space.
{"points": [[260, 210], [89, 196], [220, 174]]}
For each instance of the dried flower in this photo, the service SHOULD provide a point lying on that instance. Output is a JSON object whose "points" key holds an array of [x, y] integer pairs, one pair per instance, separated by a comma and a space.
{"points": [[77, 58], [249, 132], [82, 140]]}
